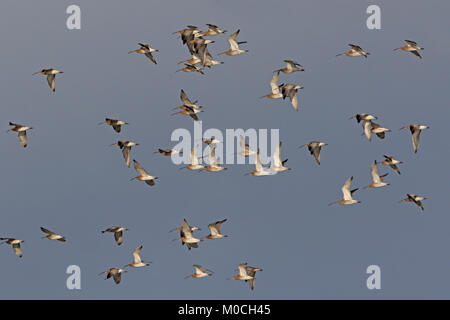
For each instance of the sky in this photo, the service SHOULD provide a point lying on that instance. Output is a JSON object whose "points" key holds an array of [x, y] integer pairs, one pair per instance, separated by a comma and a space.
{"points": [[71, 181]]}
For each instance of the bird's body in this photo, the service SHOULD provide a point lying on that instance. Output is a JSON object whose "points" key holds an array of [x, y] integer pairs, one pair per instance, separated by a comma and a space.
{"points": [[211, 141], [15, 243], [378, 130], [214, 165], [416, 199], [276, 89], [259, 169], [115, 124], [411, 46], [246, 150], [392, 162], [188, 67], [188, 111], [168, 152], [22, 132], [146, 50], [291, 67], [214, 230], [213, 30], [188, 33], [187, 102], [314, 148], [125, 146], [137, 260], [115, 273], [363, 116], [377, 180], [186, 235], [234, 45], [347, 194], [291, 90], [370, 127], [415, 130], [53, 236], [200, 272], [118, 233], [243, 273], [277, 164], [195, 164], [50, 73], [251, 271], [143, 174], [355, 51]]}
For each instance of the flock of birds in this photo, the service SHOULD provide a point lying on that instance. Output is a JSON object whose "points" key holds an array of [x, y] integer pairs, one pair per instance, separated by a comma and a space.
{"points": [[200, 59]]}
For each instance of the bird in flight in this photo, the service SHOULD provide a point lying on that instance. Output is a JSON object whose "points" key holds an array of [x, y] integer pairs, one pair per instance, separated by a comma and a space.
{"points": [[187, 102], [146, 50], [370, 127], [414, 198], [118, 233], [247, 274], [187, 237], [115, 124], [115, 273], [277, 164], [415, 129], [363, 116], [15, 243], [168, 152], [22, 132], [291, 90], [246, 150], [52, 236], [191, 68], [314, 147], [251, 271], [411, 46], [200, 272], [377, 180], [291, 66], [392, 162], [259, 169], [137, 260], [195, 163], [50, 73], [234, 45], [355, 51], [276, 89], [347, 194], [143, 175], [214, 230], [214, 165], [188, 111], [213, 30], [126, 145]]}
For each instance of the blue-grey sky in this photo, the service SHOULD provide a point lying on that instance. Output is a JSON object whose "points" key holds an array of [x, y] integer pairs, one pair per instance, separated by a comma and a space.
{"points": [[71, 182]]}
